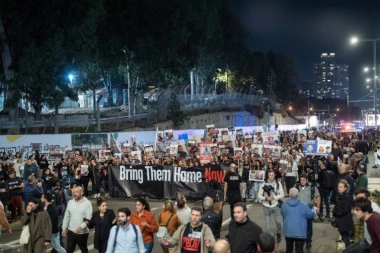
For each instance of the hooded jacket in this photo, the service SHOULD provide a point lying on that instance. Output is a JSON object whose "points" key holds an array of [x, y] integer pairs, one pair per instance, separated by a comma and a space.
{"points": [[295, 214]]}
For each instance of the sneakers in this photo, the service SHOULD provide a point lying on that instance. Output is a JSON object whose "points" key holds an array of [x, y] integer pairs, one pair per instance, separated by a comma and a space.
{"points": [[375, 167], [278, 237]]}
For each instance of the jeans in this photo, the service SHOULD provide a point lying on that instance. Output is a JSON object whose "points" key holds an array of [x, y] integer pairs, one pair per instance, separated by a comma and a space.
{"points": [[362, 247], [255, 190], [55, 243], [73, 239], [148, 247], [276, 212], [290, 243], [346, 238], [325, 196], [309, 230]]}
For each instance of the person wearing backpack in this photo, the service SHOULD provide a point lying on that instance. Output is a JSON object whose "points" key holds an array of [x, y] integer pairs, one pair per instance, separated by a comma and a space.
{"points": [[308, 193], [168, 218], [125, 237]]}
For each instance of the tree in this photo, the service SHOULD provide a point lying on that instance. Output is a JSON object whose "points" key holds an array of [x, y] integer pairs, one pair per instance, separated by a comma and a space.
{"points": [[175, 113]]}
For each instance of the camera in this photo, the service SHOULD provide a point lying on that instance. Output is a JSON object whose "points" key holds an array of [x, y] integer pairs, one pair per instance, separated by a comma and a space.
{"points": [[267, 189]]}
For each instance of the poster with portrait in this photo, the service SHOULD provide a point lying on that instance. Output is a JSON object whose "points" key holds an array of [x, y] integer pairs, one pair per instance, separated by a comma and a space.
{"points": [[149, 151], [136, 157], [169, 135], [258, 138], [117, 157], [205, 152], [104, 154], [310, 147], [256, 150], [84, 169], [271, 138], [282, 166], [160, 147], [275, 151], [173, 150], [211, 135], [238, 154], [324, 147], [257, 175]]}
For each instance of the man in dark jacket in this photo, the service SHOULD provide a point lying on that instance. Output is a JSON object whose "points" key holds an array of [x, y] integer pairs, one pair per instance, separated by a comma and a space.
{"points": [[52, 210], [33, 189], [211, 218], [243, 233]]}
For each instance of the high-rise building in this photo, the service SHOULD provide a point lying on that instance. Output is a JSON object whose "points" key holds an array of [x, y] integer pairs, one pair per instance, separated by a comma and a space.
{"points": [[330, 79]]}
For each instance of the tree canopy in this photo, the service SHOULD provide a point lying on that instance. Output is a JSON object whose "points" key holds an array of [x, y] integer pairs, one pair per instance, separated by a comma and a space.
{"points": [[153, 42]]}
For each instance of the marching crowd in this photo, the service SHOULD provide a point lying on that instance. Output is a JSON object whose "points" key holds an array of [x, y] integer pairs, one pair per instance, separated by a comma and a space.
{"points": [[56, 205]]}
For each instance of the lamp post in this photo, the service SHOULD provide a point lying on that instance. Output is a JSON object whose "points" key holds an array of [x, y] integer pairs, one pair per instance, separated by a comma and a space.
{"points": [[355, 40]]}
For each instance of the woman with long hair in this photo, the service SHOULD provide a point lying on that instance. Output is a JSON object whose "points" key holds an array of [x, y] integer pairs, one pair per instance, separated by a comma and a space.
{"points": [[183, 211], [144, 218], [168, 217], [40, 228], [342, 211], [102, 220]]}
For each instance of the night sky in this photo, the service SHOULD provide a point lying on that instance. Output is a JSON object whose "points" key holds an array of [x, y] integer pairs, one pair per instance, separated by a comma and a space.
{"points": [[306, 29]]}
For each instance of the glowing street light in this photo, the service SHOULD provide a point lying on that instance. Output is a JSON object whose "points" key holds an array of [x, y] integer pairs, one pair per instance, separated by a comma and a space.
{"points": [[354, 40], [366, 69], [368, 80], [71, 77]]}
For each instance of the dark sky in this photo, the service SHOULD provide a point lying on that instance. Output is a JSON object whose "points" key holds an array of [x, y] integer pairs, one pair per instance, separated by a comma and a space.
{"points": [[306, 29]]}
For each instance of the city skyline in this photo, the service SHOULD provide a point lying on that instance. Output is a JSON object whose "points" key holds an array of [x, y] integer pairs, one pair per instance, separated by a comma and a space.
{"points": [[306, 29]]}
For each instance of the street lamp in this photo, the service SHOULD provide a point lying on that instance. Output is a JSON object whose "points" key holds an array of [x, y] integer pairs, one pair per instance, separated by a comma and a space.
{"points": [[366, 69], [355, 40]]}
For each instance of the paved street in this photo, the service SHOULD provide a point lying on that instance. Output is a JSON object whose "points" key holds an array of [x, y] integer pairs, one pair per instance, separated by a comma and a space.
{"points": [[324, 239], [324, 234]]}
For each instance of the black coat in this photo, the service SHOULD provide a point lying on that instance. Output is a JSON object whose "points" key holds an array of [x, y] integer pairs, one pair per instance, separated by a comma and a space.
{"points": [[102, 226], [243, 236], [214, 221], [342, 212]]}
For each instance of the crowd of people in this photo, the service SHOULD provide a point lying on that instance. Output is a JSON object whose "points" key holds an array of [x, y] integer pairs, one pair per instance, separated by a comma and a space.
{"points": [[56, 198]]}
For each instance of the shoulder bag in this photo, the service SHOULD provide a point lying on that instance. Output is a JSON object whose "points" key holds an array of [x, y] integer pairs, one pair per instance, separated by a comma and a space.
{"points": [[25, 235]]}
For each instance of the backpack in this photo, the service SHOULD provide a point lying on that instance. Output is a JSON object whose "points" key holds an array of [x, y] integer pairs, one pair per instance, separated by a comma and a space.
{"points": [[163, 229], [312, 189], [329, 179], [117, 231]]}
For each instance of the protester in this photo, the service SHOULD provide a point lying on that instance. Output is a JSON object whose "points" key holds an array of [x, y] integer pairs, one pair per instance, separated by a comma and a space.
{"points": [[309, 194], [243, 233], [342, 212], [294, 212], [40, 227], [168, 218], [52, 210], [33, 189], [363, 245], [74, 226], [211, 218], [125, 237], [232, 188], [363, 210], [193, 237], [144, 218], [15, 186], [102, 220], [327, 181], [221, 246], [271, 194], [266, 243], [362, 180], [183, 211]]}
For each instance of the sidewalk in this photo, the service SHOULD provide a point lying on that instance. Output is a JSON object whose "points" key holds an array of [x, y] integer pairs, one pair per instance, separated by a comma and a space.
{"points": [[324, 235]]}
